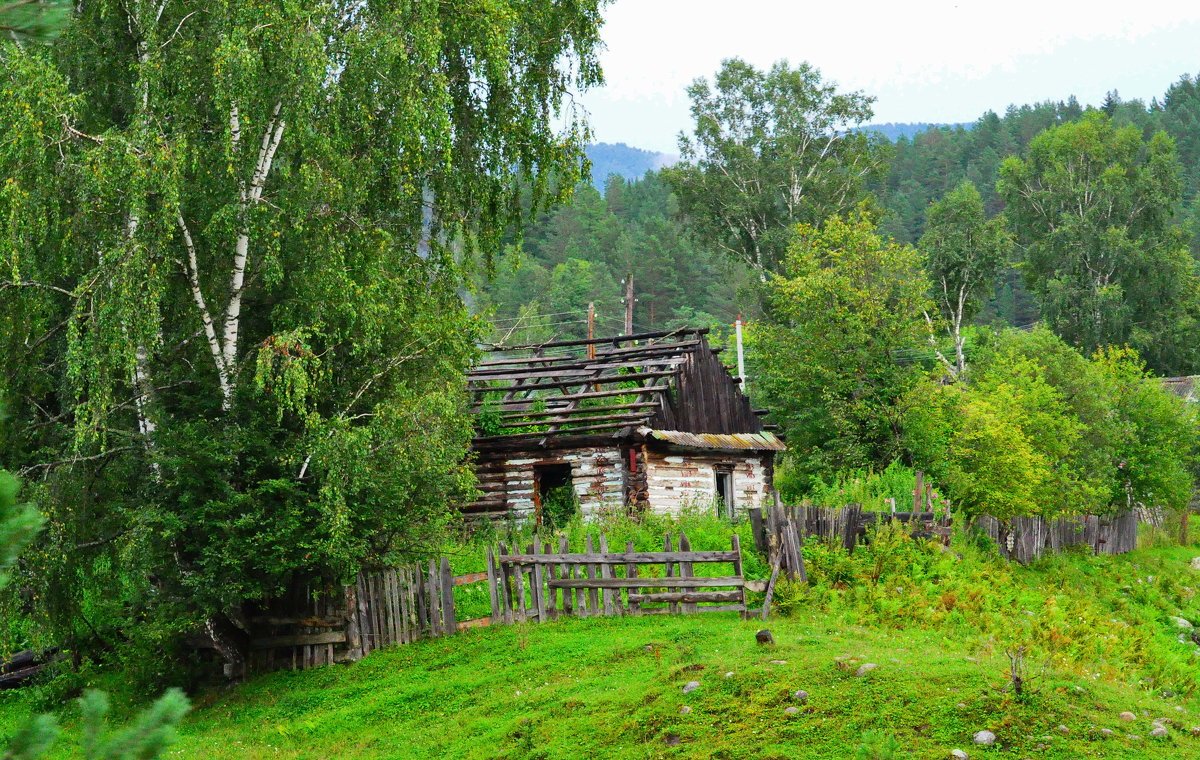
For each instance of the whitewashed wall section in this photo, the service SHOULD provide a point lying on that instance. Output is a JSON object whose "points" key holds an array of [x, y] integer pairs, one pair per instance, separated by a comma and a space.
{"points": [[679, 480]]}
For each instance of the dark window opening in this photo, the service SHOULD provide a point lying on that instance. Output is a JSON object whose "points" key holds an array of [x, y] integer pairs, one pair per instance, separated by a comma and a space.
{"points": [[725, 505], [554, 495]]}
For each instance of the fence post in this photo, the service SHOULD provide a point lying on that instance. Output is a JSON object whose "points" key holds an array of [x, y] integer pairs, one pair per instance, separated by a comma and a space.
{"points": [[448, 616], [593, 598], [736, 545], [670, 573], [535, 582], [631, 571], [685, 569], [566, 570], [606, 571], [493, 597]]}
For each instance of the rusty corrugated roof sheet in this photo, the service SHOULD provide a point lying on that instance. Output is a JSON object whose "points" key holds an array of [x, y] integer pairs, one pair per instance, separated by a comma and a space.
{"points": [[1183, 387], [763, 441]]}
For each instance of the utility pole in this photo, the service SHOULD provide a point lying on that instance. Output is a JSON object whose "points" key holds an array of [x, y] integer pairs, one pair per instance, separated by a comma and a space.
{"points": [[741, 357], [591, 349], [629, 304]]}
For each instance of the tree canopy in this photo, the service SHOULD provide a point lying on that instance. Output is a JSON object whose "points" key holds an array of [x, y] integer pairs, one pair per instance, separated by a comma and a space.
{"points": [[770, 149], [1094, 207], [232, 239]]}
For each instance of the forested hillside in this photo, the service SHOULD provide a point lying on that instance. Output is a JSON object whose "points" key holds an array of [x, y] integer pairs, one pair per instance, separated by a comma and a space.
{"points": [[581, 252]]}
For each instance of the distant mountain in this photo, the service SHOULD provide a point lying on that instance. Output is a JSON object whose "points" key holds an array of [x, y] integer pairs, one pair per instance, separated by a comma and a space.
{"points": [[894, 132], [624, 160]]}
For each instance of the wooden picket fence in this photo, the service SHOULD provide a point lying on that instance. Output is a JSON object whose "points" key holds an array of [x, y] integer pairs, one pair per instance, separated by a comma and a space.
{"points": [[1024, 539], [541, 585], [320, 624]]}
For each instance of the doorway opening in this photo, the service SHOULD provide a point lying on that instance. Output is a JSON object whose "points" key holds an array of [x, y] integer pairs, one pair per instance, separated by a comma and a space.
{"points": [[554, 495], [725, 497]]}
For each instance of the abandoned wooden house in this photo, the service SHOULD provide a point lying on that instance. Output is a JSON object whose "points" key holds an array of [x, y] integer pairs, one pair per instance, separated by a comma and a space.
{"points": [[652, 421]]}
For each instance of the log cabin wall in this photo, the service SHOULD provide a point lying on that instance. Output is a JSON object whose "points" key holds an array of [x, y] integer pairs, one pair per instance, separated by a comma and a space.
{"points": [[677, 480], [507, 480]]}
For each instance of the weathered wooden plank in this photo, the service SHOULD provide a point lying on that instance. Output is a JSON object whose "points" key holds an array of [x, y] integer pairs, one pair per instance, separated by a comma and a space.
{"points": [[507, 592], [685, 569], [493, 590], [669, 571], [736, 544], [593, 597], [631, 571], [621, 558], [537, 577], [462, 580], [310, 621], [687, 596], [302, 640], [552, 593], [681, 582], [606, 572], [431, 591], [448, 614], [463, 625], [565, 571]]}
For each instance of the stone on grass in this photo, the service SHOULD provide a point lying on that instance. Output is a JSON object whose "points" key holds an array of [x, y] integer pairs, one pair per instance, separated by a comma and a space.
{"points": [[1159, 731], [1063, 730], [1196, 563], [984, 738], [961, 705], [1195, 730], [958, 754], [1133, 737], [1127, 716], [729, 674], [779, 662], [671, 740], [865, 668], [764, 637], [684, 710], [1179, 622], [690, 686], [800, 695], [1106, 732], [791, 710]]}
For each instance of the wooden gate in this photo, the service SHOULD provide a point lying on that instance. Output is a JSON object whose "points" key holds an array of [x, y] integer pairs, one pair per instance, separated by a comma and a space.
{"points": [[541, 584]]}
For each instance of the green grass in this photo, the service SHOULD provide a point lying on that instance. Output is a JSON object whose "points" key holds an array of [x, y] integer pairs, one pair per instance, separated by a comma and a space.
{"points": [[613, 689], [936, 625]]}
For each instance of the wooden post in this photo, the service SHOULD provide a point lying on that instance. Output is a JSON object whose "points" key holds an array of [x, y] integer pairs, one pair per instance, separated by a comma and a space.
{"points": [[631, 571], [506, 588], [756, 528], [563, 570], [551, 592], [736, 544], [670, 573], [766, 609], [629, 304], [591, 347], [606, 571], [435, 610], [918, 492], [449, 618], [797, 538], [493, 595], [536, 582], [593, 607], [685, 568]]}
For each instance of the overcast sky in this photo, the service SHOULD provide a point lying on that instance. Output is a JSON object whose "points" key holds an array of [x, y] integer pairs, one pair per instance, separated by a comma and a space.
{"points": [[925, 60]]}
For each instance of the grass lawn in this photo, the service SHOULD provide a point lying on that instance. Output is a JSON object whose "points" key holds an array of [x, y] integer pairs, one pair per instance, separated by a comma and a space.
{"points": [[613, 689], [936, 624]]}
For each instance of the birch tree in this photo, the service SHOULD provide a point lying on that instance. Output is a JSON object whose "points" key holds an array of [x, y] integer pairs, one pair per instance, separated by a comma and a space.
{"points": [[1093, 208], [769, 150], [232, 236], [963, 252]]}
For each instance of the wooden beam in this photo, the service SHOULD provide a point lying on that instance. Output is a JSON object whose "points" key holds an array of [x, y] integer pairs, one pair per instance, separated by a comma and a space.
{"points": [[697, 582], [621, 558], [687, 596], [615, 339], [302, 640]]}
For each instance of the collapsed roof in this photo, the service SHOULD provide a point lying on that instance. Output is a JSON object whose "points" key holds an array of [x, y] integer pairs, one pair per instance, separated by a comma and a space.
{"points": [[585, 392]]}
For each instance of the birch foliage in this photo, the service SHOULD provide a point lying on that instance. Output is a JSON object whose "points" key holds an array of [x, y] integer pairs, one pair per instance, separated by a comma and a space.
{"points": [[232, 238]]}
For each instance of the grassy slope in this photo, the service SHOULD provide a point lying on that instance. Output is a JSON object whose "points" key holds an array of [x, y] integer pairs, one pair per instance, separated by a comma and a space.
{"points": [[573, 688]]}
